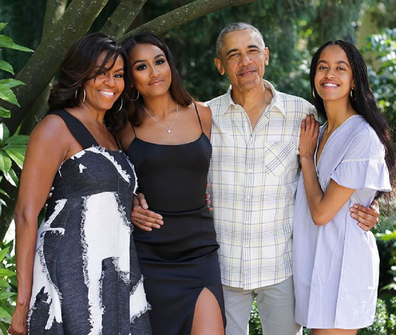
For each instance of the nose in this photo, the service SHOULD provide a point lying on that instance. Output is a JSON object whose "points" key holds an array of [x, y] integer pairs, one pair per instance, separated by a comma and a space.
{"points": [[330, 73], [154, 72], [245, 59], [109, 80]]}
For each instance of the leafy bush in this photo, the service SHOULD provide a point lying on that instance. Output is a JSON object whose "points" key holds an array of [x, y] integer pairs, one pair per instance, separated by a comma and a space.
{"points": [[7, 286], [12, 148]]}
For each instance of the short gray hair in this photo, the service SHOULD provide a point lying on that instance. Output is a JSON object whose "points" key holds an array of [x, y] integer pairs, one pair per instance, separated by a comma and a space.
{"points": [[235, 26]]}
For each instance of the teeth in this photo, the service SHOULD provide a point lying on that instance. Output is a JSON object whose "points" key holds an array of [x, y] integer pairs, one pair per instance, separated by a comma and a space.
{"points": [[109, 94], [330, 85]]}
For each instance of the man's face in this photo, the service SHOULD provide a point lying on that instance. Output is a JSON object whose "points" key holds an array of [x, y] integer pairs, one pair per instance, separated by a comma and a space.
{"points": [[242, 58]]}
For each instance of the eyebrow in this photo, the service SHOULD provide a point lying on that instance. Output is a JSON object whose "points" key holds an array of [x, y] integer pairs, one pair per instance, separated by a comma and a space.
{"points": [[338, 62], [144, 60]]}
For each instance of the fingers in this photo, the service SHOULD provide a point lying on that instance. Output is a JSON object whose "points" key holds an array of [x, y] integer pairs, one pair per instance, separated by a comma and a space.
{"points": [[367, 217], [142, 200], [146, 219]]}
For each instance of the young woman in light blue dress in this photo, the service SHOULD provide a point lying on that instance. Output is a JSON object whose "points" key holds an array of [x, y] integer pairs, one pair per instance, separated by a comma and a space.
{"points": [[349, 160]]}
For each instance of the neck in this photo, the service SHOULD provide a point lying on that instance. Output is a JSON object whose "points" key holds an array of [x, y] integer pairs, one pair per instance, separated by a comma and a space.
{"points": [[337, 112], [255, 99], [95, 116], [160, 106]]}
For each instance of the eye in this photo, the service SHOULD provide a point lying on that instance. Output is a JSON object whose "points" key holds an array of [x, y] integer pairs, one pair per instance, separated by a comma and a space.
{"points": [[252, 51], [160, 61], [233, 55], [119, 75], [141, 67], [322, 67], [341, 68]]}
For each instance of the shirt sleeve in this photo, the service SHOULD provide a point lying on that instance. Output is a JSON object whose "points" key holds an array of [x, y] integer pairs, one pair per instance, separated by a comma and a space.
{"points": [[363, 165]]}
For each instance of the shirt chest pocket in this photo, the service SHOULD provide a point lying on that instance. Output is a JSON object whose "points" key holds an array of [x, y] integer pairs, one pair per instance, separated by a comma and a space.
{"points": [[279, 157]]}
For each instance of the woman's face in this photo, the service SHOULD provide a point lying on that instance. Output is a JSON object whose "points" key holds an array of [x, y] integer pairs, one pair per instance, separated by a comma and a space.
{"points": [[333, 77], [151, 73], [103, 90]]}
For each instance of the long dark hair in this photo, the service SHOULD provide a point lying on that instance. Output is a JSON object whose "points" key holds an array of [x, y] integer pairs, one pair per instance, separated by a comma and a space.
{"points": [[362, 100], [79, 66], [177, 90]]}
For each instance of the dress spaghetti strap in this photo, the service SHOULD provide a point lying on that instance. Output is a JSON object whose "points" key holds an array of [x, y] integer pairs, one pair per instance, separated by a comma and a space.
{"points": [[199, 119], [77, 128]]}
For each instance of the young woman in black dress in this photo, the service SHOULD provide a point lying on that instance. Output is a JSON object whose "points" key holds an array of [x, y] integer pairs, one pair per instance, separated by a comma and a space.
{"points": [[166, 136]]}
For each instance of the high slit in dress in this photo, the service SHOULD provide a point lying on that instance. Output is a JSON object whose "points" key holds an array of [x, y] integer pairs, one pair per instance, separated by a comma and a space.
{"points": [[179, 260]]}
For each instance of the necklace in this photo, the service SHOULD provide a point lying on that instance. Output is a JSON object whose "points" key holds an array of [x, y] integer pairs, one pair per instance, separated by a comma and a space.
{"points": [[169, 130]]}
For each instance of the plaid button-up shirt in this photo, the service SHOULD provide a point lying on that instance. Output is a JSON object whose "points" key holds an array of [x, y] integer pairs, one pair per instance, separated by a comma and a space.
{"points": [[253, 179]]}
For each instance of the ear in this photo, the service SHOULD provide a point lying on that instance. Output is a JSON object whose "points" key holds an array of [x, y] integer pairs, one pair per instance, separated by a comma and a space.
{"points": [[266, 55], [219, 65]]}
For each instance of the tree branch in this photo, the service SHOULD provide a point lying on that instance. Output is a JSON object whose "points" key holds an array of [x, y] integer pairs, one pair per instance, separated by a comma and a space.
{"points": [[185, 14], [124, 15]]}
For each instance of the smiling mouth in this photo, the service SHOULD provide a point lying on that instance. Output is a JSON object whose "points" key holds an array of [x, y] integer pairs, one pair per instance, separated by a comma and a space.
{"points": [[156, 82]]}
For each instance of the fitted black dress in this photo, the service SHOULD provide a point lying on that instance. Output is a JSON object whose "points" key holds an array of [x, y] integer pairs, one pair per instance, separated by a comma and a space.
{"points": [[180, 259], [86, 274]]}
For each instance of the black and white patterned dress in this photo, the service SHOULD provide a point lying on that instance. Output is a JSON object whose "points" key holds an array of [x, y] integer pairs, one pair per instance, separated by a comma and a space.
{"points": [[86, 273]]}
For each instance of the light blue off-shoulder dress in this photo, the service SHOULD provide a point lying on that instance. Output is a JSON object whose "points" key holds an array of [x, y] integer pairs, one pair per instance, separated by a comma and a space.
{"points": [[336, 266]]}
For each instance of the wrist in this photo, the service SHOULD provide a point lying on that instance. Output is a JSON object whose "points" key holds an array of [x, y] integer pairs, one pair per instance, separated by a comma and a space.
{"points": [[306, 156]]}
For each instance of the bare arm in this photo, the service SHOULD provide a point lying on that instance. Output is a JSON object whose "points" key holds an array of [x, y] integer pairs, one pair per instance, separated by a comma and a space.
{"points": [[46, 149], [323, 206]]}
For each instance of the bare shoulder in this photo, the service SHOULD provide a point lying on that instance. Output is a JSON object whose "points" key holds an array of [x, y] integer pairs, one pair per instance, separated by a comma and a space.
{"points": [[125, 136], [205, 114], [51, 129]]}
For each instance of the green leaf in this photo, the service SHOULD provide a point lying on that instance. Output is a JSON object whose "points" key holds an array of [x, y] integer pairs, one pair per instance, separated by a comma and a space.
{"points": [[3, 253], [2, 25], [4, 283], [4, 313], [4, 132], [17, 155], [5, 113], [8, 95], [4, 193], [6, 272], [18, 140], [5, 162], [11, 177], [10, 83], [3, 203], [6, 295], [6, 66], [6, 42]]}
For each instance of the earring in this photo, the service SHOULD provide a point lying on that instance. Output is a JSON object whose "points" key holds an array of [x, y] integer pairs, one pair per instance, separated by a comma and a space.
{"points": [[76, 92], [266, 63], [137, 97], [85, 94], [313, 93], [352, 94], [121, 105]]}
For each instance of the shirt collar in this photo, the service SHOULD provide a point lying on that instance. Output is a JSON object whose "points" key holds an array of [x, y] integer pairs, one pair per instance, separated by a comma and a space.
{"points": [[276, 102]]}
